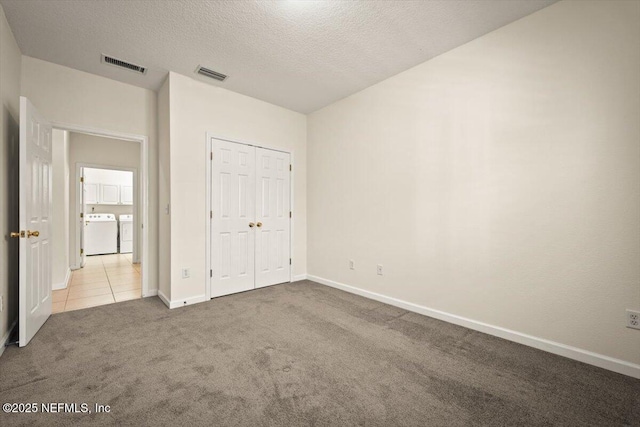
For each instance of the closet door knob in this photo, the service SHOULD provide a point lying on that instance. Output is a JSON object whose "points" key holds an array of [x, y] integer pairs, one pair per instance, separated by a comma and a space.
{"points": [[251, 225], [259, 224]]}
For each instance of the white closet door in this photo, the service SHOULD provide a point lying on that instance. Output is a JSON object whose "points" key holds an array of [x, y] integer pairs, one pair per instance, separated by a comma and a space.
{"points": [[233, 211], [272, 217]]}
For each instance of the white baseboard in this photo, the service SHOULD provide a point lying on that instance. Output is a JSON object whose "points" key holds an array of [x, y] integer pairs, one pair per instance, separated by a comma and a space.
{"points": [[64, 284], [6, 336], [151, 293], [599, 360], [164, 298], [299, 277], [181, 302]]}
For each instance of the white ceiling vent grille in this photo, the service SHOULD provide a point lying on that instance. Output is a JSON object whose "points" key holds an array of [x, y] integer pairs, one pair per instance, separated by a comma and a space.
{"points": [[123, 64], [210, 73]]}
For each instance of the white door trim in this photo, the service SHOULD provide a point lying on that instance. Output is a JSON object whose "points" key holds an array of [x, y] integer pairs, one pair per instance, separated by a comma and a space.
{"points": [[143, 186], [207, 155]]}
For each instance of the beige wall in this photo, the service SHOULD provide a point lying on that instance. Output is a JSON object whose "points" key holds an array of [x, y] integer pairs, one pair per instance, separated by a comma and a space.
{"points": [[9, 136], [164, 192], [67, 96], [499, 181], [60, 219], [99, 151], [197, 108]]}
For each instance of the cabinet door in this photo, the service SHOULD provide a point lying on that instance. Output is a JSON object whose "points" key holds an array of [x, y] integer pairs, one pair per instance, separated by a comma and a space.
{"points": [[109, 194], [126, 194], [90, 194]]}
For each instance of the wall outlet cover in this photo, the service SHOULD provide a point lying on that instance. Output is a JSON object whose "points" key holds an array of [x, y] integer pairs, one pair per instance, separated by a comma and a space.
{"points": [[352, 264], [633, 319], [186, 273], [379, 269]]}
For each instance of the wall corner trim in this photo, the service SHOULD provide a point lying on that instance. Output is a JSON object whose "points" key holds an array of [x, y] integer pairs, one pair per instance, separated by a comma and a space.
{"points": [[181, 302], [164, 299], [585, 356], [64, 284]]}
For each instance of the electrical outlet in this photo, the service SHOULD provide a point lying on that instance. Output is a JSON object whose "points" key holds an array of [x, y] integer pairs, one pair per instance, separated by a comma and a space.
{"points": [[633, 319], [352, 264], [186, 273], [379, 269]]}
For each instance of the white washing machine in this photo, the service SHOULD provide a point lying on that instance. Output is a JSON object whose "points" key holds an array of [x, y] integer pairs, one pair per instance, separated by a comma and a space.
{"points": [[126, 234], [100, 234]]}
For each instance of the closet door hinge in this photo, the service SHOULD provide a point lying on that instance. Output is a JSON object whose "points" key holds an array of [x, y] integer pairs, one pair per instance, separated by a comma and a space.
{"points": [[290, 168], [82, 179], [212, 155], [289, 261], [289, 214], [81, 251], [81, 215], [210, 273], [210, 214]]}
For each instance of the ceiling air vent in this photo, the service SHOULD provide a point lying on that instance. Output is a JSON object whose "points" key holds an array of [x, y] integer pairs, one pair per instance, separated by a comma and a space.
{"points": [[210, 73], [123, 64]]}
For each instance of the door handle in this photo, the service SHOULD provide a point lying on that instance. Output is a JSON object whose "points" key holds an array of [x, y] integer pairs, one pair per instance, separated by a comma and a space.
{"points": [[259, 224], [15, 234], [32, 233], [251, 225]]}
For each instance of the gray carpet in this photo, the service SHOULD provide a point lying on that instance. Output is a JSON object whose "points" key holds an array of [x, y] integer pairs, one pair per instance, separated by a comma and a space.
{"points": [[299, 354]]}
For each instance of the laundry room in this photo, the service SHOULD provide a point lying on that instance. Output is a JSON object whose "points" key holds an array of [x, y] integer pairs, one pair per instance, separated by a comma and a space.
{"points": [[96, 247]]}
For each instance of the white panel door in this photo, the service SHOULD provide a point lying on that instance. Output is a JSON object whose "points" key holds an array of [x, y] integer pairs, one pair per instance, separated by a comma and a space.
{"points": [[109, 194], [272, 217], [35, 222], [232, 218]]}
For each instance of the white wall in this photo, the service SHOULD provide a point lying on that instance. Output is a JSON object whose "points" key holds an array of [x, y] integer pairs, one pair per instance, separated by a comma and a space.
{"points": [[60, 221], [197, 108], [100, 151], [9, 156], [69, 96], [499, 182]]}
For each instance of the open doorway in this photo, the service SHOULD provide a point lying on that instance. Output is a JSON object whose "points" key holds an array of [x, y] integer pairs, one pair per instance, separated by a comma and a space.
{"points": [[96, 220]]}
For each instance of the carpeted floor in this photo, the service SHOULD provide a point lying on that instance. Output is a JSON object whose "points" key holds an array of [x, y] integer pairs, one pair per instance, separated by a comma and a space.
{"points": [[299, 354]]}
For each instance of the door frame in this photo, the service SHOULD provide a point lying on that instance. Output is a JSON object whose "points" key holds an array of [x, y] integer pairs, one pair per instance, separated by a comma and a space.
{"points": [[143, 197], [136, 209], [209, 147]]}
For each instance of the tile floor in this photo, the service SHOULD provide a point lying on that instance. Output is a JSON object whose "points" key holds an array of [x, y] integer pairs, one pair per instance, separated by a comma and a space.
{"points": [[105, 279]]}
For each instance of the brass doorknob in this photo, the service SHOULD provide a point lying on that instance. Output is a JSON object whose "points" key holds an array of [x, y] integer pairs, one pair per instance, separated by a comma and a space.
{"points": [[259, 224], [32, 233], [15, 234], [251, 224]]}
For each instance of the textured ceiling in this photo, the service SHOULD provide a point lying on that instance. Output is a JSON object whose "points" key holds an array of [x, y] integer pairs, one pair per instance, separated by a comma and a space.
{"points": [[301, 55]]}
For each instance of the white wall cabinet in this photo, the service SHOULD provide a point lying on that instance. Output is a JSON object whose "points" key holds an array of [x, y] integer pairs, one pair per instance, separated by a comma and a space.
{"points": [[90, 194], [108, 187], [109, 194], [126, 195]]}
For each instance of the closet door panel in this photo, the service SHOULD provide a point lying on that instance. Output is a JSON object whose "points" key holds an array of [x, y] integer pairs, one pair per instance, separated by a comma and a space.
{"points": [[272, 216], [233, 210]]}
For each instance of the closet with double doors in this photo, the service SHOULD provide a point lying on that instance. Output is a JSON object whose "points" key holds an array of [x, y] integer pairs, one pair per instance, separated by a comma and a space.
{"points": [[250, 217]]}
